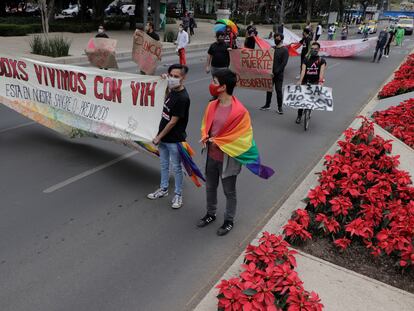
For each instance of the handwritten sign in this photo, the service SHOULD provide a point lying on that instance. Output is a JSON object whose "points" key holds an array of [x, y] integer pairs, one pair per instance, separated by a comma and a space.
{"points": [[101, 52], [253, 68], [315, 97], [146, 52], [76, 100]]}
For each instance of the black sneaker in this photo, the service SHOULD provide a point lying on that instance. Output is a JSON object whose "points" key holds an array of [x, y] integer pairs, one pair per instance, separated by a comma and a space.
{"points": [[225, 228], [264, 108], [279, 110], [298, 120], [206, 220]]}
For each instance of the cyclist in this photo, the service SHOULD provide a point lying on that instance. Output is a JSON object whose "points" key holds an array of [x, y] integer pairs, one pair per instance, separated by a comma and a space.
{"points": [[313, 71]]}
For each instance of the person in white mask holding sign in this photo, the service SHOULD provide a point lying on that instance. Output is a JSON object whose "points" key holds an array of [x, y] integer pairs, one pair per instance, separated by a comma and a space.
{"points": [[172, 130]]}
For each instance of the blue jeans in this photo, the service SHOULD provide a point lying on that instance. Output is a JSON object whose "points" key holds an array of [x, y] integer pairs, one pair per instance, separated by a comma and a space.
{"points": [[169, 151]]}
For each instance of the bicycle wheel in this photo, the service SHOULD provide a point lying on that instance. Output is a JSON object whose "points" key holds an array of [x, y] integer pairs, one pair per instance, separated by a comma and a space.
{"points": [[306, 119]]}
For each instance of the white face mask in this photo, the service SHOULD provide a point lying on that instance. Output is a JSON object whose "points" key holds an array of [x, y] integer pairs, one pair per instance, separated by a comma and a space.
{"points": [[173, 83], [180, 29], [100, 30]]}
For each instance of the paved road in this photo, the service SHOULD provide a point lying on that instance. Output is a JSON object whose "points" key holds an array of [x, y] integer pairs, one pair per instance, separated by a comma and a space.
{"points": [[96, 243]]}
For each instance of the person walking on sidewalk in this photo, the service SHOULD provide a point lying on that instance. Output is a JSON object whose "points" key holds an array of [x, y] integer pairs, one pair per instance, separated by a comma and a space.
{"points": [[192, 25], [149, 29], [182, 42], [101, 32], [391, 34], [280, 60], [172, 130], [186, 21], [381, 42], [217, 55], [344, 32], [313, 72], [306, 42], [227, 133], [331, 32], [318, 32], [399, 36]]}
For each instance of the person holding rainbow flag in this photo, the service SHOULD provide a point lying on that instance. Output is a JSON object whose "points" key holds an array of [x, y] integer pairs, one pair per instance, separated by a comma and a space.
{"points": [[227, 133]]}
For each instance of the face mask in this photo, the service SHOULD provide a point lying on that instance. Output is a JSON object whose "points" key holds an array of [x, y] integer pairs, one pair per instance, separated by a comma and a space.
{"points": [[180, 29], [314, 53], [214, 89], [100, 30], [277, 41], [173, 83]]}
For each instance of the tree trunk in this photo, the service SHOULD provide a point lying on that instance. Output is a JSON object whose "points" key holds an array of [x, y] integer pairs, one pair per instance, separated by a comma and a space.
{"points": [[44, 16], [282, 12], [341, 10], [139, 14], [51, 11], [183, 7], [308, 10], [98, 10]]}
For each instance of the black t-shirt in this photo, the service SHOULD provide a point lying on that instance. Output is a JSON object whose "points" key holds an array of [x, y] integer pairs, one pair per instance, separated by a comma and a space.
{"points": [[177, 104], [101, 35], [313, 69], [250, 43], [306, 42], [219, 55], [154, 35]]}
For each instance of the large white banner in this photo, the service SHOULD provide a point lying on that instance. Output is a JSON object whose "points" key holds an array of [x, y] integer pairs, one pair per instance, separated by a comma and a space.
{"points": [[315, 97], [79, 101]]}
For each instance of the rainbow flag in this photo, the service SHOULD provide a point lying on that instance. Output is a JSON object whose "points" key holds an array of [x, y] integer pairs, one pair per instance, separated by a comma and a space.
{"points": [[236, 137], [186, 153]]}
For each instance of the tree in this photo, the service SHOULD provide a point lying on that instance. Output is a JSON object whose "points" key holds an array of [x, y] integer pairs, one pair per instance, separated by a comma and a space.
{"points": [[45, 17], [308, 10]]}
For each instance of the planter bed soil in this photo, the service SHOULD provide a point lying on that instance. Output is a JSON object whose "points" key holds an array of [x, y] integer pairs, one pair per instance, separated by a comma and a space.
{"points": [[358, 259]]}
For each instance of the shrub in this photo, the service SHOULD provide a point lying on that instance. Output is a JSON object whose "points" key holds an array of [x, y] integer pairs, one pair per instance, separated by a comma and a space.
{"points": [[116, 23], [296, 26], [19, 20], [242, 32], [169, 36], [171, 20], [9, 30], [71, 27], [54, 47]]}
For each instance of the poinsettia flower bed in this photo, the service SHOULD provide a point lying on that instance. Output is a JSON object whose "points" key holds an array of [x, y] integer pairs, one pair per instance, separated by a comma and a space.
{"points": [[268, 281], [362, 198], [399, 121], [403, 81]]}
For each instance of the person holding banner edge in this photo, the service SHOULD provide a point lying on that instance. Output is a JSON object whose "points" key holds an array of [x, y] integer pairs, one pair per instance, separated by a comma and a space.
{"points": [[313, 71], [280, 60], [172, 130]]}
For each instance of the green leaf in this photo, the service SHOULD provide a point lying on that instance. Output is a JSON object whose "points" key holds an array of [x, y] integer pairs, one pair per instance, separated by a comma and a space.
{"points": [[249, 292]]}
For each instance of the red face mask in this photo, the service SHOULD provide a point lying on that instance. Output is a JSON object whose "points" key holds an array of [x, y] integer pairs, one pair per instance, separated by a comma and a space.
{"points": [[214, 89]]}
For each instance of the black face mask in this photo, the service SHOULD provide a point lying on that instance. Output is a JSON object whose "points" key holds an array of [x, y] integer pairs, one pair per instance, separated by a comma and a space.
{"points": [[278, 41], [314, 53]]}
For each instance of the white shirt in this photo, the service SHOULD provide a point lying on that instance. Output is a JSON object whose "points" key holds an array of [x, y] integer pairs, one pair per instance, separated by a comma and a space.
{"points": [[182, 39], [319, 30]]}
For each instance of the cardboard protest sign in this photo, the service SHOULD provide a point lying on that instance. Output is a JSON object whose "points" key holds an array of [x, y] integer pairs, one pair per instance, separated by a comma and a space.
{"points": [[315, 97], [253, 68], [79, 101], [146, 52], [101, 52]]}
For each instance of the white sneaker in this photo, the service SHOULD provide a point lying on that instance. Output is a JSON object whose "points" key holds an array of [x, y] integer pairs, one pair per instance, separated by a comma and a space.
{"points": [[177, 201], [297, 77], [159, 193], [386, 56]]}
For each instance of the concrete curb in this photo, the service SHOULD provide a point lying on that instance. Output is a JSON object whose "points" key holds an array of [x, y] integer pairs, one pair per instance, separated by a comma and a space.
{"points": [[294, 201], [122, 55]]}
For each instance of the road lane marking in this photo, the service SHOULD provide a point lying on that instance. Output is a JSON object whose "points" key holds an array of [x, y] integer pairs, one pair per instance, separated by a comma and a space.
{"points": [[16, 127], [89, 172]]}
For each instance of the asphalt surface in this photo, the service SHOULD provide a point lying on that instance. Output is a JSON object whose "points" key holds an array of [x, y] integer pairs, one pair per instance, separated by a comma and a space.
{"points": [[94, 242]]}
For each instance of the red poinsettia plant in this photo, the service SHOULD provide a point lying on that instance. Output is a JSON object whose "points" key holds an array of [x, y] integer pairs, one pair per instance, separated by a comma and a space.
{"points": [[362, 197], [399, 121], [268, 281], [403, 81]]}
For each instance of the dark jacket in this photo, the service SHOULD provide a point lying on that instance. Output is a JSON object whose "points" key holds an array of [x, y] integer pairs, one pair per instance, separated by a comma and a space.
{"points": [[280, 59], [154, 35]]}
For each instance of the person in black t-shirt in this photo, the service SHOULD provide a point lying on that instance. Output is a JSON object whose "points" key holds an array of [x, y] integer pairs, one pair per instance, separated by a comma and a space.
{"points": [[313, 71], [250, 41], [306, 42], [101, 33], [172, 130], [149, 29], [218, 55], [381, 43]]}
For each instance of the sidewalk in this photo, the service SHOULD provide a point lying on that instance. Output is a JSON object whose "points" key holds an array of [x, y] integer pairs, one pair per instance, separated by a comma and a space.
{"points": [[202, 39]]}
